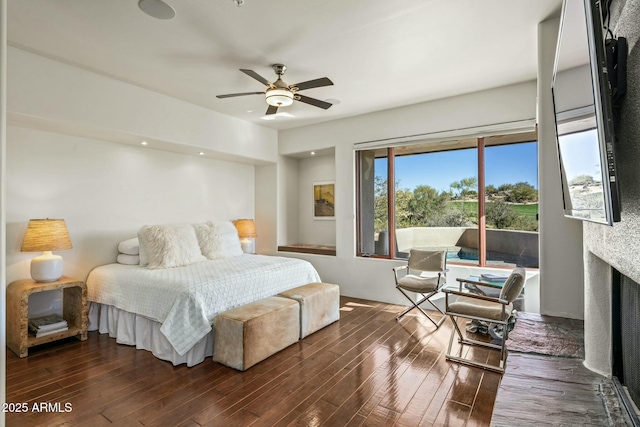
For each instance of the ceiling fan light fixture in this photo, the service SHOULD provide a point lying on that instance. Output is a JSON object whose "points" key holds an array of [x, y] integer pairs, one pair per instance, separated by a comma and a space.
{"points": [[280, 94], [279, 97]]}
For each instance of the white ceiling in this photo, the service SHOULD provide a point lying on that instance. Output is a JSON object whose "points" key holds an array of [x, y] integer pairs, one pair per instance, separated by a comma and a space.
{"points": [[379, 53]]}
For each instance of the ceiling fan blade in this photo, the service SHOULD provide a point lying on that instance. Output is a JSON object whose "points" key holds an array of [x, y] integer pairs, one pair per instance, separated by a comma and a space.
{"points": [[231, 95], [323, 81], [271, 110], [257, 76], [313, 101]]}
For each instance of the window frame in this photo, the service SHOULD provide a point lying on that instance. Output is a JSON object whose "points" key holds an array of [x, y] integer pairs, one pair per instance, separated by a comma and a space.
{"points": [[481, 144]]}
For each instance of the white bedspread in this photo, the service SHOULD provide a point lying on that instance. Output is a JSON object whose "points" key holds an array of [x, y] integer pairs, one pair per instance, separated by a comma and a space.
{"points": [[186, 299]]}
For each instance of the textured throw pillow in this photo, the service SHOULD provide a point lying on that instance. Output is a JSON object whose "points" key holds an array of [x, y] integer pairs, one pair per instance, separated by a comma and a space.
{"points": [[207, 238], [172, 245], [129, 247], [218, 239]]}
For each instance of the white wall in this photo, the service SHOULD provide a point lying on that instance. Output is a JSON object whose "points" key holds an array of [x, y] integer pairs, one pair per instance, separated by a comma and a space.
{"points": [[107, 191], [266, 197], [561, 267], [314, 231], [574, 83], [501, 105], [288, 202], [372, 278]]}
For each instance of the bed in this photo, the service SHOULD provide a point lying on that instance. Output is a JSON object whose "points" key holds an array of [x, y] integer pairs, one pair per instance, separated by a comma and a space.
{"points": [[169, 311]]}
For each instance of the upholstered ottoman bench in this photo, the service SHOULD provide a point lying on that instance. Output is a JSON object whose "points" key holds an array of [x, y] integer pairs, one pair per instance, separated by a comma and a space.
{"points": [[246, 335], [319, 305]]}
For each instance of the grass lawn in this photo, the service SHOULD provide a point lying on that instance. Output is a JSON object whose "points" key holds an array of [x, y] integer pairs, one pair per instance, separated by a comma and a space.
{"points": [[527, 210]]}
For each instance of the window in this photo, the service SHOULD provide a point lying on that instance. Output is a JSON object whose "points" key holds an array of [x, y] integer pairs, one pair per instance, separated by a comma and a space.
{"points": [[476, 198], [511, 208], [372, 183]]}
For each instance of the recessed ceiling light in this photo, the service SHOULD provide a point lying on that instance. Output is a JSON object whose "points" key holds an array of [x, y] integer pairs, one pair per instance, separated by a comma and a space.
{"points": [[144, 143], [313, 153], [201, 153]]}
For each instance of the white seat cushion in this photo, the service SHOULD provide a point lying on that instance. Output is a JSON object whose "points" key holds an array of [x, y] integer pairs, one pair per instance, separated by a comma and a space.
{"points": [[414, 283], [466, 306]]}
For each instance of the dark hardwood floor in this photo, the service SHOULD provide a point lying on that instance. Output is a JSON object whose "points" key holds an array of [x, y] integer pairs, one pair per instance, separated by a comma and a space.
{"points": [[559, 391], [366, 369]]}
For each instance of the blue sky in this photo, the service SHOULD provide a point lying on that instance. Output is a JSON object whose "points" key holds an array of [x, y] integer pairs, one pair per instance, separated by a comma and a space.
{"points": [[505, 164], [581, 154]]}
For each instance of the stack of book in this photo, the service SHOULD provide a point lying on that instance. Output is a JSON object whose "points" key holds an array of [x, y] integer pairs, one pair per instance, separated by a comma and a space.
{"points": [[48, 325], [494, 277]]}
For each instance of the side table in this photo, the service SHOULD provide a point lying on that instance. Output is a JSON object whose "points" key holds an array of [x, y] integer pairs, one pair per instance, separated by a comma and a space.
{"points": [[74, 311]]}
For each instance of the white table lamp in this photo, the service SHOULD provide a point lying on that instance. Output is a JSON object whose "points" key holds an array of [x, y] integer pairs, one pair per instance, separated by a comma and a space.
{"points": [[46, 235]]}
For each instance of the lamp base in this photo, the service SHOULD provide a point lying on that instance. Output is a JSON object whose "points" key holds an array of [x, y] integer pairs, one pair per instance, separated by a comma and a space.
{"points": [[46, 267], [247, 245]]}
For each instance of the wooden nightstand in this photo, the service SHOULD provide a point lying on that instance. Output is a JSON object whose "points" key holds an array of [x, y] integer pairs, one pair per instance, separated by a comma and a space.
{"points": [[74, 311]]}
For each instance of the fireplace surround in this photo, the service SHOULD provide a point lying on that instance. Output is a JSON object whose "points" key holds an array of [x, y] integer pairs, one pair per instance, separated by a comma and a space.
{"points": [[625, 331], [607, 248]]}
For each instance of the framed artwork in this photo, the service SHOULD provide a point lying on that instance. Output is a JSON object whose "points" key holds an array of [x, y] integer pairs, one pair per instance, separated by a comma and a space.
{"points": [[323, 200]]}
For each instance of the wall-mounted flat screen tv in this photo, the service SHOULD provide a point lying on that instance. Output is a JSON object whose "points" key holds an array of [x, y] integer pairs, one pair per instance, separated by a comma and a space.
{"points": [[584, 122]]}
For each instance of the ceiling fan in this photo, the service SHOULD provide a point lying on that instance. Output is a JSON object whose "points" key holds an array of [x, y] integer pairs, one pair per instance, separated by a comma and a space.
{"points": [[279, 94]]}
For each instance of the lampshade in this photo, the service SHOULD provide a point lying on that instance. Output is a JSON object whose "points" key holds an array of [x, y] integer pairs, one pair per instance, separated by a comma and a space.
{"points": [[46, 235], [246, 228], [279, 97]]}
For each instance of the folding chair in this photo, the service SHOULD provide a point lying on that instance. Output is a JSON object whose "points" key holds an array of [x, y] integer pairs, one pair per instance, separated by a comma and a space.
{"points": [[494, 310], [425, 274]]}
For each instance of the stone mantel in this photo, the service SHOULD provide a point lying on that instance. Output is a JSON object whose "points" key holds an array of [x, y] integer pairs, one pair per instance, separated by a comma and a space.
{"points": [[618, 246]]}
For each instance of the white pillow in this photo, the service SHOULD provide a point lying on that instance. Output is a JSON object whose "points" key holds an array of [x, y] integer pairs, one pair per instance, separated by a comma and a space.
{"points": [[128, 259], [144, 259], [172, 245], [218, 239], [129, 247], [229, 241]]}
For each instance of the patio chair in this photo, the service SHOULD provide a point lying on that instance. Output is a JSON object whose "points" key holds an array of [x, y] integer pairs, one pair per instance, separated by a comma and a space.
{"points": [[424, 274], [495, 310]]}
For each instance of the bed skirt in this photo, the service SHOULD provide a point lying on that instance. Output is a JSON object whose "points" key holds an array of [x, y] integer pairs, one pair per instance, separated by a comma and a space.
{"points": [[132, 329]]}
